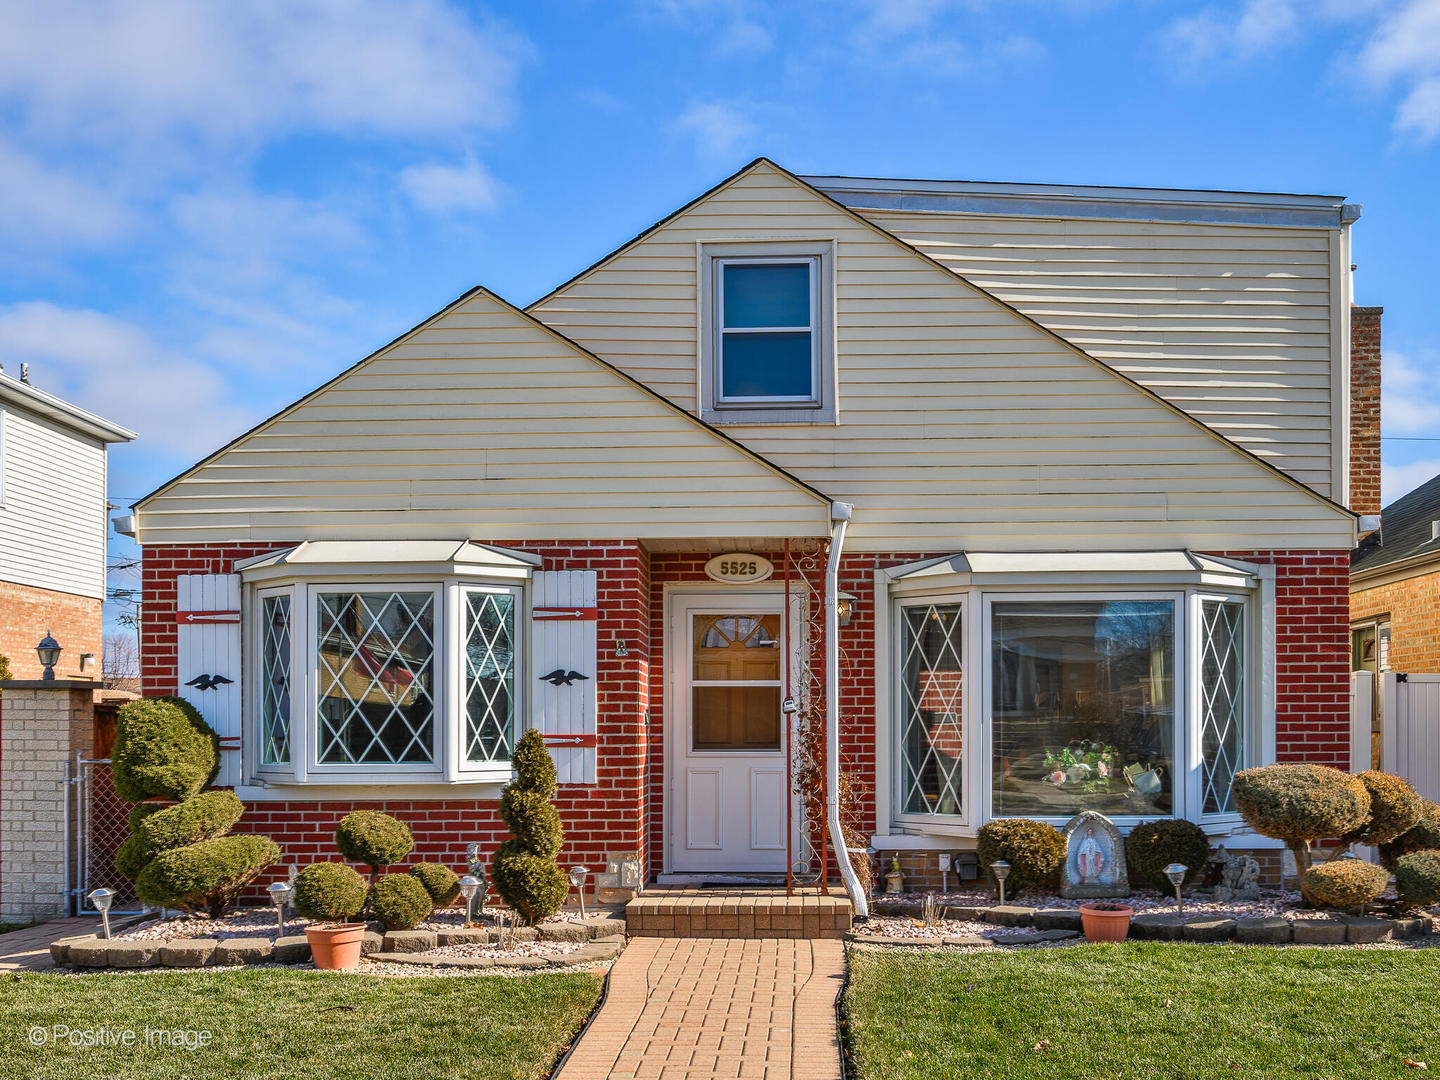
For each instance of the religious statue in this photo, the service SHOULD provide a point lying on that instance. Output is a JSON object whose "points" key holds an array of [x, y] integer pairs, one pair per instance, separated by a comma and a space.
{"points": [[1094, 864], [1091, 857]]}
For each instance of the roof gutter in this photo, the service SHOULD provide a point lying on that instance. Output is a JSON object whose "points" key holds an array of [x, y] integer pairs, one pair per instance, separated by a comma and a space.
{"points": [[839, 518]]}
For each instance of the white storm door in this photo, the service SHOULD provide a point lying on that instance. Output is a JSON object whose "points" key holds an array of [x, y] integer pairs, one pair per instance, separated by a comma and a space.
{"points": [[728, 787]]}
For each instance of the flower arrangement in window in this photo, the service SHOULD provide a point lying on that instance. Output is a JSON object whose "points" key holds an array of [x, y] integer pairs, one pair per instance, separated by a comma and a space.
{"points": [[1081, 766]]}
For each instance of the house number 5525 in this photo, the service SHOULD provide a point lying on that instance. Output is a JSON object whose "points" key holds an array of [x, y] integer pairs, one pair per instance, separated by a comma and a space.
{"points": [[738, 569]]}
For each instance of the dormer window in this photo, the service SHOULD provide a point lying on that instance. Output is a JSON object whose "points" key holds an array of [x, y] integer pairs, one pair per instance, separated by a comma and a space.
{"points": [[768, 345]]}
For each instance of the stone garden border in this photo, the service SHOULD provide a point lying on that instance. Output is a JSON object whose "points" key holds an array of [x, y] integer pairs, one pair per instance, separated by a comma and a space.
{"points": [[605, 939], [1057, 924]]}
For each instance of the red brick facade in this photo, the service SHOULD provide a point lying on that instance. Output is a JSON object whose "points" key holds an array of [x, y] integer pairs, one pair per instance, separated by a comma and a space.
{"points": [[1412, 607], [624, 810], [27, 614], [1365, 410]]}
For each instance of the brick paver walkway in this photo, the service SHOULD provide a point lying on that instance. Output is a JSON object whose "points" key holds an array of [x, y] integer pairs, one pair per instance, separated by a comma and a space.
{"points": [[716, 1007], [29, 949]]}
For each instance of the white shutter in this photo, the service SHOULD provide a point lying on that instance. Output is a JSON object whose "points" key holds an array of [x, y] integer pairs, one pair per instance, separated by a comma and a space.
{"points": [[563, 683], [207, 617]]}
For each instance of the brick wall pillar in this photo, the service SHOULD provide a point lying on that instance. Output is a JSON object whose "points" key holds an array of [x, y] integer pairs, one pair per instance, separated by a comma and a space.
{"points": [[43, 725], [1365, 410]]}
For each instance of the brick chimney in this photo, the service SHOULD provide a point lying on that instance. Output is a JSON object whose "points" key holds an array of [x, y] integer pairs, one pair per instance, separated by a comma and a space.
{"points": [[1365, 409]]}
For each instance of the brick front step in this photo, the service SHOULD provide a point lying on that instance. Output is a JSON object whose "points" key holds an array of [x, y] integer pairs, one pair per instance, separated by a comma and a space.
{"points": [[737, 913]]}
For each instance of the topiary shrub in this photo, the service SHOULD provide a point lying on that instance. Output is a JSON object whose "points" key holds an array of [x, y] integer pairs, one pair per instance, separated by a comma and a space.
{"points": [[1395, 808], [1423, 836], [1154, 845], [193, 715], [525, 872], [1417, 878], [399, 901], [329, 892], [204, 817], [161, 751], [1344, 883], [1034, 850], [1301, 803], [442, 883], [375, 839], [206, 875]]}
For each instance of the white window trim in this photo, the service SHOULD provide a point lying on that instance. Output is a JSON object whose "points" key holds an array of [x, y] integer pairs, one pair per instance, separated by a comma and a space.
{"points": [[449, 767], [892, 588], [821, 407]]}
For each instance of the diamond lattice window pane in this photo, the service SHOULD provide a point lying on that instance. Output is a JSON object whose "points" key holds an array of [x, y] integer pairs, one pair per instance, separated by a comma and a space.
{"points": [[375, 662], [1222, 701], [932, 759], [275, 680], [489, 676]]}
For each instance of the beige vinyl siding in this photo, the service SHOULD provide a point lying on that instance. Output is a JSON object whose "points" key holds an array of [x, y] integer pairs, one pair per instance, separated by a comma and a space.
{"points": [[961, 425], [52, 505], [481, 424], [1230, 322]]}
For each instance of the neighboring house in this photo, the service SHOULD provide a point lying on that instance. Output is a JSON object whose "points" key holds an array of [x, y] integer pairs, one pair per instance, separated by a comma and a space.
{"points": [[53, 527], [1084, 455]]}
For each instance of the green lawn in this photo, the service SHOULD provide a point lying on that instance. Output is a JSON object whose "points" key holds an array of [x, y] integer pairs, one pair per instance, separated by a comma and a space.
{"points": [[295, 1024], [1144, 1010]]}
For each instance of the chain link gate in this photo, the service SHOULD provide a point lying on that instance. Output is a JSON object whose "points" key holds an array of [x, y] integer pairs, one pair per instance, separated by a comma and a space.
{"points": [[101, 824]]}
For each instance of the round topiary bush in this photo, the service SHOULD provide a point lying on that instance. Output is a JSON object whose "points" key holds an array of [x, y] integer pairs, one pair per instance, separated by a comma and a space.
{"points": [[1345, 883], [162, 750], [525, 872], [399, 901], [1301, 803], [1417, 878], [442, 883], [1395, 808], [206, 875], [1154, 845], [1034, 850], [375, 839], [1423, 836], [329, 892]]}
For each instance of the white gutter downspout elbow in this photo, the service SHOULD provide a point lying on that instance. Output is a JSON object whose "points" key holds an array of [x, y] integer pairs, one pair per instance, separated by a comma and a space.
{"points": [[839, 519]]}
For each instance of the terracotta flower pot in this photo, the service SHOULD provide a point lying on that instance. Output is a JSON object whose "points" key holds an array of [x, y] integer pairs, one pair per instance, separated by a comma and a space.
{"points": [[1106, 921], [336, 948]]}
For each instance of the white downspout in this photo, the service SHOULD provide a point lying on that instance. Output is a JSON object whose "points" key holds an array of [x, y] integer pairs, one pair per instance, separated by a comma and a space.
{"points": [[839, 518]]}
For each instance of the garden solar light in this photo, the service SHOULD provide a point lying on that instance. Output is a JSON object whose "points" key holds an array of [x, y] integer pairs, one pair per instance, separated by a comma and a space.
{"points": [[48, 652], [280, 893], [1176, 873], [578, 874], [944, 871], [102, 899], [469, 886], [1001, 869]]}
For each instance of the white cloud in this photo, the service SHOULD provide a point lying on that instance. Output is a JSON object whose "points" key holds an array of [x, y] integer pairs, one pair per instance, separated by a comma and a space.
{"points": [[717, 128], [117, 370], [1405, 50], [44, 206], [1211, 35], [1398, 480], [1410, 394], [734, 26], [443, 189]]}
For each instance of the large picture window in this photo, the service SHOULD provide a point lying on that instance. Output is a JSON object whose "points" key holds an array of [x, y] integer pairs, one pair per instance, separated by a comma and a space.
{"points": [[1083, 707]]}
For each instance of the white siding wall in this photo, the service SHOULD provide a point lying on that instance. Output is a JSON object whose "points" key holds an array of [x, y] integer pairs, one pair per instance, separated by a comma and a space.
{"points": [[1230, 322], [52, 505]]}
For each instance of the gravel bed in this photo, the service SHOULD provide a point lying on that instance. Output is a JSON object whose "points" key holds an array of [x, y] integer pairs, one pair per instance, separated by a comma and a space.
{"points": [[520, 948], [367, 967]]}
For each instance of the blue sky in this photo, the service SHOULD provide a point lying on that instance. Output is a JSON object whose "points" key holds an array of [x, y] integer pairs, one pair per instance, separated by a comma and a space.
{"points": [[210, 208]]}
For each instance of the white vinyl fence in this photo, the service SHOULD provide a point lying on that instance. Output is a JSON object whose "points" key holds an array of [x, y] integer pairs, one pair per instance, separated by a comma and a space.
{"points": [[1411, 734]]}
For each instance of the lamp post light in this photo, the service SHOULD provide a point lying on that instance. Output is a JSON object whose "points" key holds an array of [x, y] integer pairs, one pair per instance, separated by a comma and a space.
{"points": [[280, 893], [578, 874], [1176, 873], [1001, 869], [102, 899], [48, 652], [469, 886]]}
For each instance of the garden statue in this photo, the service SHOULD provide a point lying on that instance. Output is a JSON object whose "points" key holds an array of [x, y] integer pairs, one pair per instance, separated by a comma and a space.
{"points": [[1090, 857], [1094, 863], [1240, 880], [476, 862]]}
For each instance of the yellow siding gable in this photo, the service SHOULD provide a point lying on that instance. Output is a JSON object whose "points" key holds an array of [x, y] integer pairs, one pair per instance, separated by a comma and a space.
{"points": [[962, 424], [480, 423]]}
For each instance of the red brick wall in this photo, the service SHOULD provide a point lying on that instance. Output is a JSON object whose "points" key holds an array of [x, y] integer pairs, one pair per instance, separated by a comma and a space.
{"points": [[28, 613], [1365, 409], [1413, 607]]}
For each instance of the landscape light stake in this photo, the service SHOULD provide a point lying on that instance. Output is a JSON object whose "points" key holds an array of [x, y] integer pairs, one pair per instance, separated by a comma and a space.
{"points": [[469, 886], [102, 899], [1176, 873], [578, 874], [1001, 869], [280, 893]]}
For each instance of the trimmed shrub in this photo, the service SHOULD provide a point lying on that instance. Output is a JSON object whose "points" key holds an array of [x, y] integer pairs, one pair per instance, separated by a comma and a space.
{"points": [[206, 875], [1424, 836], [132, 855], [161, 751], [1395, 808], [1034, 850], [525, 872], [1154, 845], [399, 901], [1301, 803], [1345, 883], [193, 715], [204, 817], [140, 811], [442, 883], [329, 892], [1417, 878], [375, 839]]}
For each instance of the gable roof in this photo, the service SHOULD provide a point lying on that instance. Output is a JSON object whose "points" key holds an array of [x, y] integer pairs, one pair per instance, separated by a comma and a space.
{"points": [[481, 421], [24, 396], [1406, 533]]}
